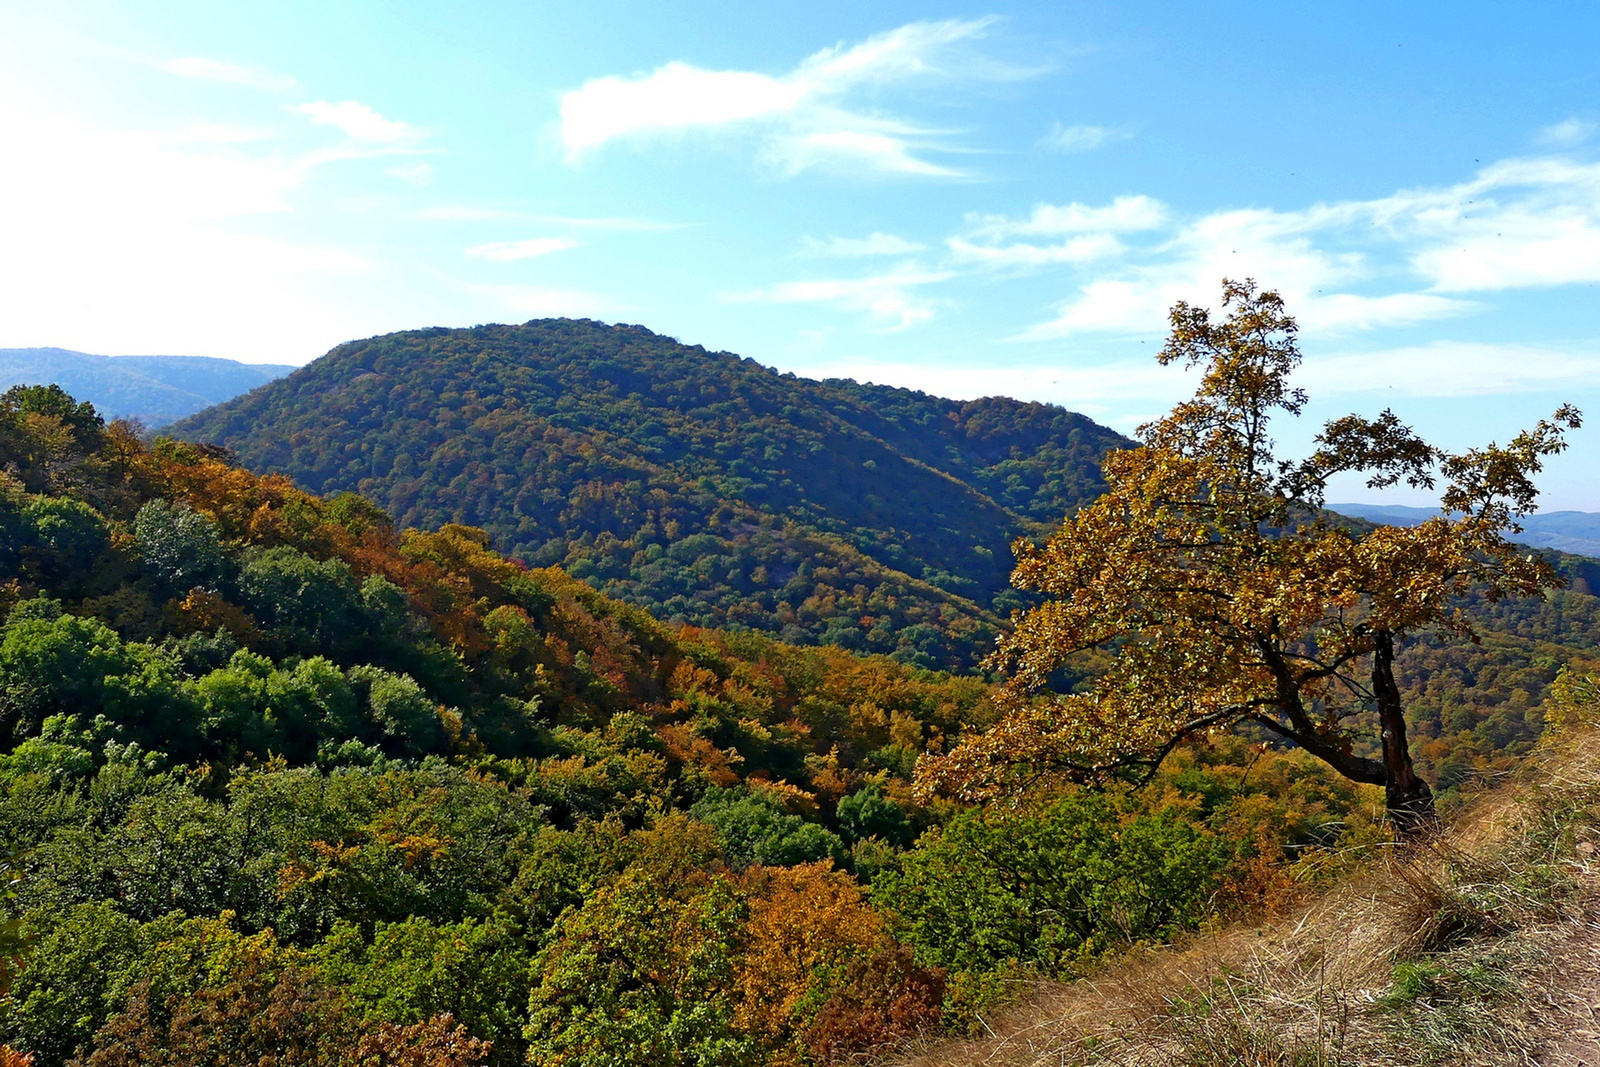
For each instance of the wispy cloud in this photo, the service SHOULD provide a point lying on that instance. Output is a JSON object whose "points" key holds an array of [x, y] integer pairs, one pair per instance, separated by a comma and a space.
{"points": [[1125, 214], [1414, 256], [801, 118], [532, 248], [213, 70], [1567, 133], [1089, 232], [1066, 139], [469, 213], [418, 173], [890, 299], [876, 244], [359, 121]]}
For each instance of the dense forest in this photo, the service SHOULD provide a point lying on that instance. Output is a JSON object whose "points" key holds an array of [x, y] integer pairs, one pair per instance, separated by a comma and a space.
{"points": [[701, 486], [280, 776]]}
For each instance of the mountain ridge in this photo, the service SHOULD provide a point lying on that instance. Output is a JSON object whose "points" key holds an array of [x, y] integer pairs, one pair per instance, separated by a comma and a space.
{"points": [[701, 485]]}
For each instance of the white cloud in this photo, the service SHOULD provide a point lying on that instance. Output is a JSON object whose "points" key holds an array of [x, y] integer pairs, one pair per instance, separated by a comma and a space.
{"points": [[1080, 249], [890, 299], [1273, 247], [416, 173], [1567, 133], [1521, 222], [1067, 139], [359, 121], [675, 96], [212, 70], [852, 152], [1125, 214], [876, 244], [469, 213], [508, 251], [1091, 233], [1518, 223], [798, 116], [217, 133], [132, 241]]}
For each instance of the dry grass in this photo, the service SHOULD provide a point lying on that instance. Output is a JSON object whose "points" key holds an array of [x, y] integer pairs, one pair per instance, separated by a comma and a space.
{"points": [[1478, 947]]}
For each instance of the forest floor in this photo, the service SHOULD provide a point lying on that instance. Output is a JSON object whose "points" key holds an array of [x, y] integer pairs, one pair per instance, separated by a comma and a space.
{"points": [[1477, 948]]}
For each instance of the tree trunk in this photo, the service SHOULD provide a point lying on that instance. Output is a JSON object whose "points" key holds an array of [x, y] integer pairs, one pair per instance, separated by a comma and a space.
{"points": [[1407, 797]]}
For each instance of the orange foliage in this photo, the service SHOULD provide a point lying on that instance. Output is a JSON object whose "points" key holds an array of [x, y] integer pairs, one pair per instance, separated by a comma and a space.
{"points": [[203, 612], [805, 922], [436, 1042]]}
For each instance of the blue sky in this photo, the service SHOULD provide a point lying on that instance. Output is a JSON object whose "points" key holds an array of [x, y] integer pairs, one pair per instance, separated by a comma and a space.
{"points": [[965, 199]]}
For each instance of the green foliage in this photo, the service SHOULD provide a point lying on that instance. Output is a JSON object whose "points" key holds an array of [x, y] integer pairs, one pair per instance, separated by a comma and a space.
{"points": [[408, 972], [82, 962], [754, 828], [868, 813], [1052, 886], [180, 548], [642, 974]]}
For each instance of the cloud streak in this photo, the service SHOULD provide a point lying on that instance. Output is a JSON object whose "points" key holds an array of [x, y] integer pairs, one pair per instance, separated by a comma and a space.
{"points": [[213, 70], [1415, 256], [532, 248], [891, 299], [802, 119], [1069, 139], [360, 122]]}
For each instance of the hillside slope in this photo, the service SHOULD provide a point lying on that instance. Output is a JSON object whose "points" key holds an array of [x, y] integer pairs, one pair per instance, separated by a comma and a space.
{"points": [[1477, 949], [700, 485], [153, 389]]}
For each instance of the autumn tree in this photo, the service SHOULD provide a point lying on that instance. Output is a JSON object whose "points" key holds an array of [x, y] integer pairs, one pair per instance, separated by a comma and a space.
{"points": [[1218, 594]]}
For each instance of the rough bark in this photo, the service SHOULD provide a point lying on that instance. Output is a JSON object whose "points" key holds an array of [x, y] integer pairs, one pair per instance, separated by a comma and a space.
{"points": [[1407, 798]]}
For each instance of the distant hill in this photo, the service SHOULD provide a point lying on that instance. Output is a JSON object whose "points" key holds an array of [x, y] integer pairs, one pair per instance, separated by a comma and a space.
{"points": [[1567, 531], [705, 487], [153, 389]]}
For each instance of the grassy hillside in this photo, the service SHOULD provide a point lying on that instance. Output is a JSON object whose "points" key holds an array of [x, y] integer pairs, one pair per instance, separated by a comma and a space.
{"points": [[702, 486], [153, 389], [1474, 949]]}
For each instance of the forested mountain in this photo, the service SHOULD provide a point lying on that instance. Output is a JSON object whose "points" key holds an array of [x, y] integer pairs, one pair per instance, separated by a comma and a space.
{"points": [[282, 783], [702, 486], [153, 389]]}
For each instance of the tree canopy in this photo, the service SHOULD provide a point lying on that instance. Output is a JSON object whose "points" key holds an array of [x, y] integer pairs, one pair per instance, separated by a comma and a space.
{"points": [[281, 781], [1224, 597]]}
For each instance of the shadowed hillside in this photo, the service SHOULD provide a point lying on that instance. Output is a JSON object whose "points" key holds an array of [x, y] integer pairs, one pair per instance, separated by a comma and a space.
{"points": [[703, 486]]}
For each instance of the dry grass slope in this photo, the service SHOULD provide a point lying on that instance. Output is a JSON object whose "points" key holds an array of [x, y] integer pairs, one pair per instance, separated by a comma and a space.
{"points": [[1480, 947]]}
